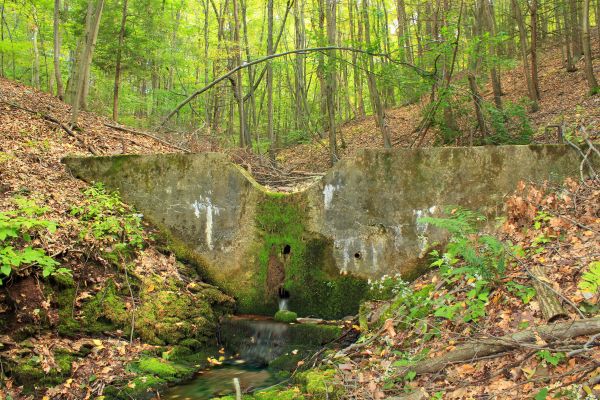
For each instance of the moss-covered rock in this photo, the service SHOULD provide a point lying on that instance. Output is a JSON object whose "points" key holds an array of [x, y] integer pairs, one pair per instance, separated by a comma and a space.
{"points": [[140, 388], [28, 371], [285, 316], [321, 385]]}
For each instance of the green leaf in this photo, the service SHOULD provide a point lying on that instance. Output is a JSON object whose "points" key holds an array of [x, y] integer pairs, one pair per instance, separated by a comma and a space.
{"points": [[541, 395]]}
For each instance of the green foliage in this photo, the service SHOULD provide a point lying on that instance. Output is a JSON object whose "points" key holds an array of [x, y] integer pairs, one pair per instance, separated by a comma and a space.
{"points": [[590, 280], [523, 292], [18, 229], [483, 255], [105, 218], [551, 358], [386, 287], [511, 125]]}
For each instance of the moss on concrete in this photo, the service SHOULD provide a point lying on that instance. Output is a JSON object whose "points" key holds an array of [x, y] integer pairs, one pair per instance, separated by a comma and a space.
{"points": [[311, 277]]}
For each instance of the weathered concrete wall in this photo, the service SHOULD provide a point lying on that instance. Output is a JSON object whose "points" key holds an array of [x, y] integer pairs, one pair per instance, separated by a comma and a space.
{"points": [[360, 221]]}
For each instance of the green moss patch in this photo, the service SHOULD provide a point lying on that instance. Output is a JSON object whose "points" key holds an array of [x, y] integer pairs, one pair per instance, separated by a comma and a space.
{"points": [[285, 316], [316, 288]]}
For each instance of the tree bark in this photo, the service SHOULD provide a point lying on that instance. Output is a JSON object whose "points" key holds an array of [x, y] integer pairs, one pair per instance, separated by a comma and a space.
{"points": [[524, 57], [490, 22], [470, 351], [115, 111], [549, 302], [57, 74], [270, 109], [81, 68], [534, 38], [35, 80], [374, 92], [330, 79], [587, 48]]}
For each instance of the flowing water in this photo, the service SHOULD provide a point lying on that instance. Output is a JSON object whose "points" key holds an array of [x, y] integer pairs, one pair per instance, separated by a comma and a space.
{"points": [[256, 342], [218, 381]]}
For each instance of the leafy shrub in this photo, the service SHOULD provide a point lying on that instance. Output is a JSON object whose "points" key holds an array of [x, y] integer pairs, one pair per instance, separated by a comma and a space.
{"points": [[511, 125], [484, 255], [17, 231], [105, 218]]}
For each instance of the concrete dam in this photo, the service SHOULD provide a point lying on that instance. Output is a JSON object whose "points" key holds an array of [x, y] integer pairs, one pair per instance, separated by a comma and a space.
{"points": [[360, 221]]}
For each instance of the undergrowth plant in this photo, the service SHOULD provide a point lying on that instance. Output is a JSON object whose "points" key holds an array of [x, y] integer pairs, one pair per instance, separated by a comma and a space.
{"points": [[468, 252], [18, 229], [590, 281], [104, 217]]}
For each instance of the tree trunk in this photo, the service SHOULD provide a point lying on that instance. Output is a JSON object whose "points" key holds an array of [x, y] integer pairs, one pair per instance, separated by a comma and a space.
{"points": [[524, 57], [534, 38], [374, 92], [88, 65], [35, 80], [245, 141], [587, 49], [330, 80], [568, 43], [115, 114], [403, 32], [552, 333], [81, 68], [299, 83], [270, 109], [356, 72], [575, 31], [57, 74], [490, 23]]}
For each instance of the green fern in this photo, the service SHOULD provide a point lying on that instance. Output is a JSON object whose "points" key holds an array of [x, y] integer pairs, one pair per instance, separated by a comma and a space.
{"points": [[590, 280]]}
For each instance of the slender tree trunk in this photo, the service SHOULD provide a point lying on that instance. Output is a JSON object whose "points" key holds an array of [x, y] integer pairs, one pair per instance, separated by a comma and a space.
{"points": [[88, 65], [36, 60], [270, 108], [490, 22], [375, 99], [403, 32], [568, 42], [534, 38], [57, 74], [81, 69], [245, 141], [330, 80], [206, 61], [524, 57], [587, 49], [575, 30], [115, 113], [356, 73], [300, 89]]}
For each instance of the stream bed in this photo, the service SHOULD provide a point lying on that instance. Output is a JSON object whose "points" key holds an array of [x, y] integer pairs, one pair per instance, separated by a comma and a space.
{"points": [[264, 351], [218, 381]]}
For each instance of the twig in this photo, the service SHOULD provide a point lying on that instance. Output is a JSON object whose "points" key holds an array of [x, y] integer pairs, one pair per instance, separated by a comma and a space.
{"points": [[149, 135], [52, 119]]}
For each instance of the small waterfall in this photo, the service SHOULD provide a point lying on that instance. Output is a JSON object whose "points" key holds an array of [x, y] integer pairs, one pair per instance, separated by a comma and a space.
{"points": [[283, 305], [256, 341]]}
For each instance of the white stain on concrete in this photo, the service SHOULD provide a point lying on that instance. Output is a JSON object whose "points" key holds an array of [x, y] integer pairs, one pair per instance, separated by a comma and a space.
{"points": [[328, 192], [204, 206], [422, 226]]}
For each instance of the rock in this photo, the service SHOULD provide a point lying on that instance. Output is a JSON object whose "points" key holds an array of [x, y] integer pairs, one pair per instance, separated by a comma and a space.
{"points": [[309, 320]]}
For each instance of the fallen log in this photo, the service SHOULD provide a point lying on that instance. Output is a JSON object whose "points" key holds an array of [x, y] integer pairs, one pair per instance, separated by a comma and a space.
{"points": [[479, 348], [550, 305]]}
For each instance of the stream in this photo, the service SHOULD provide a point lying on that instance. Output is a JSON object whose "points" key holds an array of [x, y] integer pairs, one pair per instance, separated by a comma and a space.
{"points": [[218, 381], [264, 352]]}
